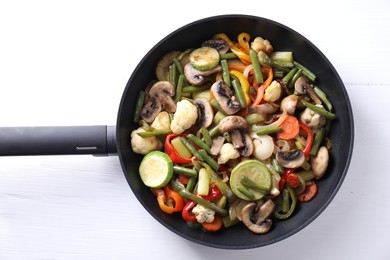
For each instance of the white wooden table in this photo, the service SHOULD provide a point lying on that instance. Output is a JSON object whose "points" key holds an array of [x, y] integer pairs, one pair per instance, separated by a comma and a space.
{"points": [[67, 62]]}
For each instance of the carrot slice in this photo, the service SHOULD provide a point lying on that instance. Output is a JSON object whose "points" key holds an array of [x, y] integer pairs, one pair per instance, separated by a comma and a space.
{"points": [[215, 225], [292, 180], [309, 193], [290, 128], [261, 89]]}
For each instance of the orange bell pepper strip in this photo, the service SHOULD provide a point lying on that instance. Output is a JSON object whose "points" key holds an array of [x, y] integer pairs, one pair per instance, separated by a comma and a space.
{"points": [[244, 84], [169, 200], [244, 57], [264, 86]]}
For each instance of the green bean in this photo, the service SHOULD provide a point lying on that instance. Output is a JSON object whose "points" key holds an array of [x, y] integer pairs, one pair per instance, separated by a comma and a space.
{"points": [[198, 142], [185, 171], [285, 201], [319, 136], [138, 106], [225, 73], [293, 204], [225, 189], [191, 148], [294, 78], [268, 130], [154, 132], [172, 74], [179, 88], [214, 131], [206, 137], [256, 67], [245, 191], [188, 195], [192, 89], [218, 117], [319, 110], [310, 75], [227, 56], [321, 94], [178, 66], [278, 168], [213, 174], [247, 182], [286, 80], [278, 74], [210, 160], [191, 184], [239, 93]]}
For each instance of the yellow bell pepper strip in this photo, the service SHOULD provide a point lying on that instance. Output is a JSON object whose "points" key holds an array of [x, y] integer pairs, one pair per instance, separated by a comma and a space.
{"points": [[243, 39], [244, 57], [244, 84], [169, 200], [262, 88]]}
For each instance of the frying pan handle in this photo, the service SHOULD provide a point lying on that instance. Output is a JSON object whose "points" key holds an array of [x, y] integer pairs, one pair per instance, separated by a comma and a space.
{"points": [[58, 140]]}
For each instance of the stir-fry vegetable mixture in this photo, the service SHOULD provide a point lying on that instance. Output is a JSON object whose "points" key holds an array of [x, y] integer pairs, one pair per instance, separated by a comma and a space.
{"points": [[232, 131]]}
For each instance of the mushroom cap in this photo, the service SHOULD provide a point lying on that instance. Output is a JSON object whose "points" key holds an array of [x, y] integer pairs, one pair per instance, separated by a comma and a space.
{"points": [[151, 109], [225, 97], [265, 108], [249, 147], [290, 159], [230, 123], [301, 85], [164, 91], [191, 75], [289, 104], [205, 112], [258, 221], [319, 164], [219, 44]]}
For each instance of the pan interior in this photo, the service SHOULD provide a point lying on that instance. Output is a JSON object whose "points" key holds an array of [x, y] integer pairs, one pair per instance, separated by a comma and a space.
{"points": [[282, 38]]}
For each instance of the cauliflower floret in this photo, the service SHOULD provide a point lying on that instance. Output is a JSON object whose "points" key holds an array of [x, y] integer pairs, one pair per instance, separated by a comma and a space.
{"points": [[162, 121], [144, 145], [312, 119], [203, 214], [260, 44], [227, 153], [273, 92], [185, 116]]}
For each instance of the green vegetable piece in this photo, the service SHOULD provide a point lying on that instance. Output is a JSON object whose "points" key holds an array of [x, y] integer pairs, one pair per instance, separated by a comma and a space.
{"points": [[156, 169], [204, 58], [257, 173]]}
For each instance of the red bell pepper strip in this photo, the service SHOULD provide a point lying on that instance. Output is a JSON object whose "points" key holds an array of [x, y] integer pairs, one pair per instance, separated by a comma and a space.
{"points": [[187, 214], [283, 180], [169, 200], [309, 142], [170, 150], [187, 211]]}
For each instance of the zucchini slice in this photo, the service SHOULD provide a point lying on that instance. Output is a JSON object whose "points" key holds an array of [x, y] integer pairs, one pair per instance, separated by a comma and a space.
{"points": [[204, 58], [156, 169]]}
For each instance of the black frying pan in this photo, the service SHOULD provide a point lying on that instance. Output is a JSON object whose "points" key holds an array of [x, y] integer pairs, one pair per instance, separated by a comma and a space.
{"points": [[105, 140]]}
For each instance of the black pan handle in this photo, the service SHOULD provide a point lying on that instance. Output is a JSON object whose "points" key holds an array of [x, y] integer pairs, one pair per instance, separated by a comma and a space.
{"points": [[58, 140]]}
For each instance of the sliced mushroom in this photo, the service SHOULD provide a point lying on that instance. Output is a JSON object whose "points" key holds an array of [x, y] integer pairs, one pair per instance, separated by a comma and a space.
{"points": [[303, 86], [164, 91], [290, 159], [236, 126], [319, 164], [248, 148], [219, 44], [265, 108], [225, 97], [217, 145], [197, 77], [289, 104], [257, 221], [151, 109], [205, 112], [230, 123]]}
